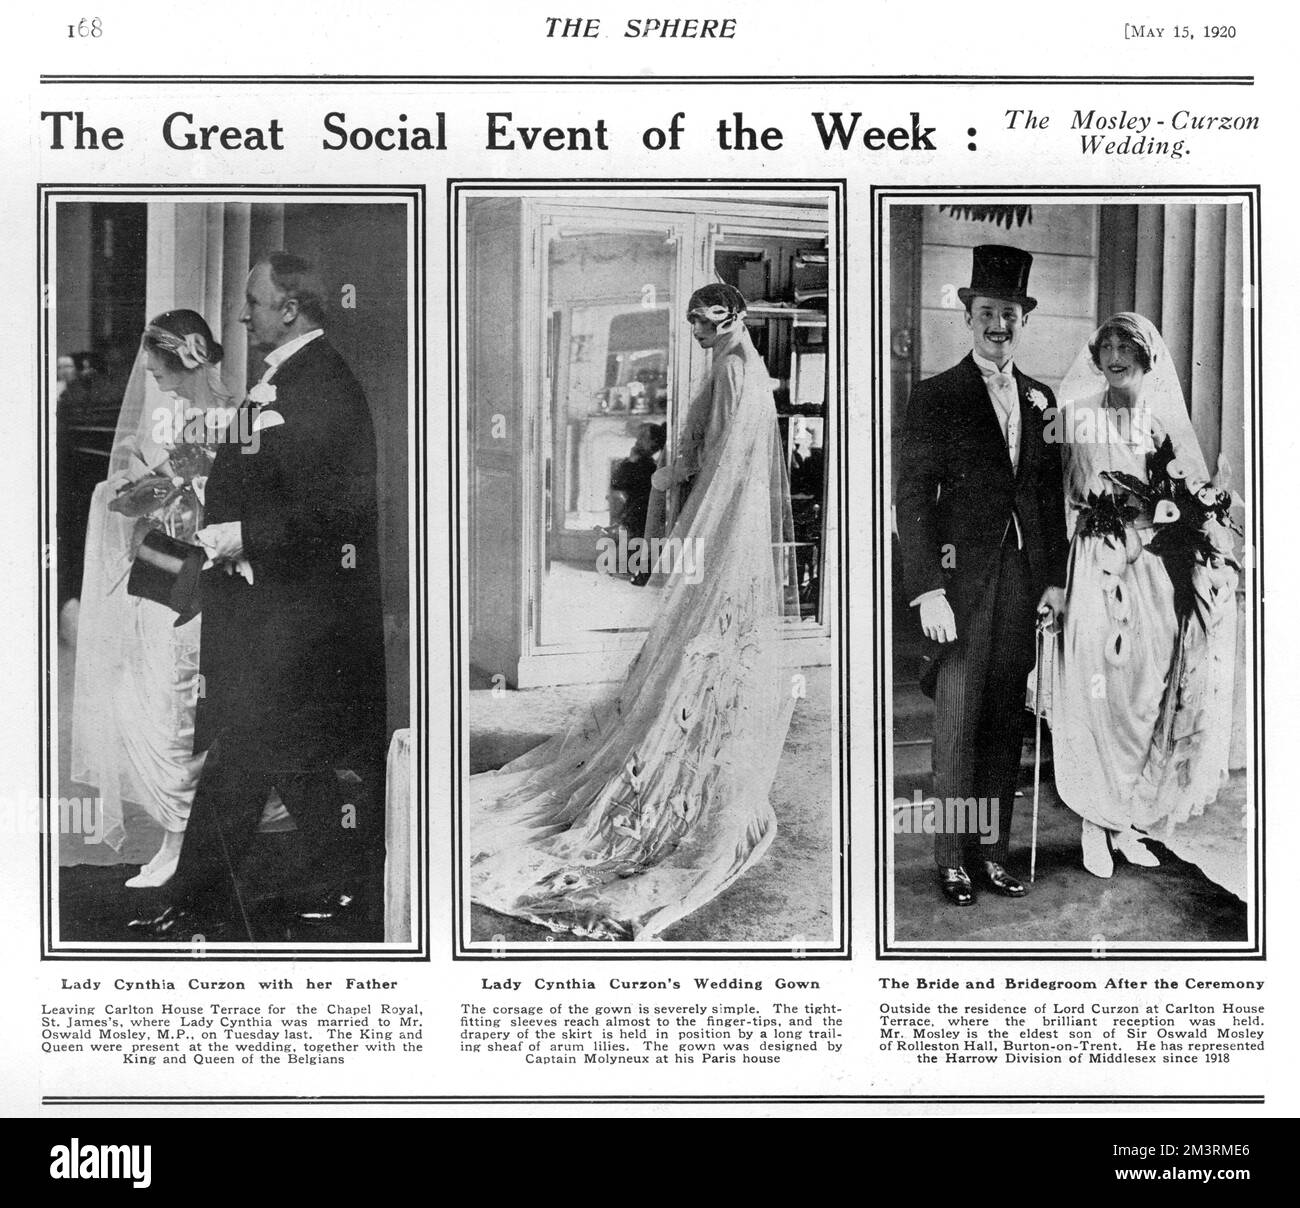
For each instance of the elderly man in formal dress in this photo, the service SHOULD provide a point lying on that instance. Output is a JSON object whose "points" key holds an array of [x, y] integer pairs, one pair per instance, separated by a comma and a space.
{"points": [[292, 662]]}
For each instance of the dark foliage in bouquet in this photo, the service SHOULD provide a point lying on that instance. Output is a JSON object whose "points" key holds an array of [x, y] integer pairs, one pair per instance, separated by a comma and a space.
{"points": [[172, 491], [1186, 518], [146, 495], [1106, 514]]}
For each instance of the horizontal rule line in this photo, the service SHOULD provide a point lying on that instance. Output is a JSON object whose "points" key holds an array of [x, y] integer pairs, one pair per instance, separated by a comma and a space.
{"points": [[641, 81], [352, 1100]]}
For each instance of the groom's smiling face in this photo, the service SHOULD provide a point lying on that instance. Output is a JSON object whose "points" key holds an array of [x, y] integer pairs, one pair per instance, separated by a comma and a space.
{"points": [[995, 326]]}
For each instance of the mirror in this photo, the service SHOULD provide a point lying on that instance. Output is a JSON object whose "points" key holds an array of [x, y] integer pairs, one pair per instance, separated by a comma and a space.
{"points": [[608, 371]]}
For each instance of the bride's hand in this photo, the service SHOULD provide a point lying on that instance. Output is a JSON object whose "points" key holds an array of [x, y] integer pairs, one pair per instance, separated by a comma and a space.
{"points": [[136, 468], [668, 476]]}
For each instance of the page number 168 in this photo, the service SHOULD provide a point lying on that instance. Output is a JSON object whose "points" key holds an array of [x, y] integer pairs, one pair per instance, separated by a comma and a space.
{"points": [[87, 27]]}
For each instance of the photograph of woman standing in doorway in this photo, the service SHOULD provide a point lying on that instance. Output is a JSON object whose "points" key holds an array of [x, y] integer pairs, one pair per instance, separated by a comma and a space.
{"points": [[650, 812]]}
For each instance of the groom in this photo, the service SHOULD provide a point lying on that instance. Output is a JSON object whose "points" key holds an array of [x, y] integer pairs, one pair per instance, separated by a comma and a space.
{"points": [[292, 661], [981, 522]]}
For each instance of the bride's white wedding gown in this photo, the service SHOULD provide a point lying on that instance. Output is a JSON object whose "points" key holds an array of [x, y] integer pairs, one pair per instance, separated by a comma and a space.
{"points": [[137, 672], [1117, 658], [653, 803]]}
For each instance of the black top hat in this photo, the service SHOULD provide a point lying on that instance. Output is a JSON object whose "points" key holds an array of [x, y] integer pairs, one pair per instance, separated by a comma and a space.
{"points": [[1000, 272], [167, 571]]}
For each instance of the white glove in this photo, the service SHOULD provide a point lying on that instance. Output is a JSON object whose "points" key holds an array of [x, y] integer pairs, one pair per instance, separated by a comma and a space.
{"points": [[937, 620], [224, 542], [1053, 601]]}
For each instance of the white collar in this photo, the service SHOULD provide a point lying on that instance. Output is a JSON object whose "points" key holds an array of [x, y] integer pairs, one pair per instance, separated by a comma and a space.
{"points": [[988, 368], [277, 356]]}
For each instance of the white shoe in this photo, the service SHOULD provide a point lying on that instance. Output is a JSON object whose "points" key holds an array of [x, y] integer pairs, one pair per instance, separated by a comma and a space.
{"points": [[1096, 850], [162, 867], [1129, 845]]}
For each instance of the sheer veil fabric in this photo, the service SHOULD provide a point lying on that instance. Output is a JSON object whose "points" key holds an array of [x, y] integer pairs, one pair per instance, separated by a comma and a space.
{"points": [[653, 803], [137, 672], [1122, 651], [1163, 410]]}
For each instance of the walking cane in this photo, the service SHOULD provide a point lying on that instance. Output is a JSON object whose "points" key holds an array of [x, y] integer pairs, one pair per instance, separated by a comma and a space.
{"points": [[1040, 634]]}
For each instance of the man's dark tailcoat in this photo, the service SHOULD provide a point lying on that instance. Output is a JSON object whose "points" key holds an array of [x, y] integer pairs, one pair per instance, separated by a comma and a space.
{"points": [[292, 664], [294, 661], [957, 490], [958, 504]]}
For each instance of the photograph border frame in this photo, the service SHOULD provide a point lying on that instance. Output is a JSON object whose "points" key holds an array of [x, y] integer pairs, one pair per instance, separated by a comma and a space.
{"points": [[837, 187], [881, 197], [414, 197]]}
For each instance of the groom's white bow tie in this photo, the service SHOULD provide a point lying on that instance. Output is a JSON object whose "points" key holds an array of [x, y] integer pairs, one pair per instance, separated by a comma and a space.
{"points": [[1001, 387]]}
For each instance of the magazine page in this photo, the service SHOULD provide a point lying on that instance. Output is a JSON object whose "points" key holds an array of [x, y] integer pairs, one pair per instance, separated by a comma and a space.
{"points": [[698, 563]]}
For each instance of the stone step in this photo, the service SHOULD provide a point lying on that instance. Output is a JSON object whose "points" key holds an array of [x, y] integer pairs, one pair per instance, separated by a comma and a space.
{"points": [[913, 720], [913, 769], [910, 701]]}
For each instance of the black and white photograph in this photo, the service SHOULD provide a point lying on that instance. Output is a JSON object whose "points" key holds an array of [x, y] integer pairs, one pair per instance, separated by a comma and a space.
{"points": [[651, 672], [1070, 426], [228, 597]]}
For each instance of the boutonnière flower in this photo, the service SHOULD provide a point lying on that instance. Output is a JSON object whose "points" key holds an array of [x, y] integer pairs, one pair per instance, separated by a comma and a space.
{"points": [[262, 393], [1038, 398]]}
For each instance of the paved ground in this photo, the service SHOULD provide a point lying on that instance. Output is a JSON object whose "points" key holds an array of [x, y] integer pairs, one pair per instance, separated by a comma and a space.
{"points": [[1177, 902], [1197, 894], [786, 896], [94, 904]]}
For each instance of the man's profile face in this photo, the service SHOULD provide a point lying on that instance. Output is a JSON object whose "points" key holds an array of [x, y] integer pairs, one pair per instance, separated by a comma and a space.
{"points": [[263, 312], [995, 325]]}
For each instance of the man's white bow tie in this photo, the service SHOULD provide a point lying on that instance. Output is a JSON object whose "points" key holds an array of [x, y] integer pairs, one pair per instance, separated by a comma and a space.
{"points": [[1002, 381]]}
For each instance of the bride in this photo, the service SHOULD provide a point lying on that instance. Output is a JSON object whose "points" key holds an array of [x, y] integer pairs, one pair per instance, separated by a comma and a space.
{"points": [[657, 800], [137, 669], [1142, 715]]}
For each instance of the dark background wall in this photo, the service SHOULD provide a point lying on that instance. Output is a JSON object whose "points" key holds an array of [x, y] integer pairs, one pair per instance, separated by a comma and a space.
{"points": [[114, 264]]}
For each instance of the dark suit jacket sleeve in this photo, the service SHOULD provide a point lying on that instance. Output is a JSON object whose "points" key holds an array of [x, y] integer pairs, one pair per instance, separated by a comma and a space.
{"points": [[919, 475], [324, 490], [1051, 505]]}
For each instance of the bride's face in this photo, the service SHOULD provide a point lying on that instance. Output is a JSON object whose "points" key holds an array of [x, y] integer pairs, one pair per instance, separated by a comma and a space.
{"points": [[1120, 362], [704, 333], [169, 381]]}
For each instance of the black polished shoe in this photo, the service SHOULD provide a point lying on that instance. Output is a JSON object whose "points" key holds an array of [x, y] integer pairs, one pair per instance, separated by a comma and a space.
{"points": [[329, 908], [1001, 881], [177, 924], [146, 922], [956, 886]]}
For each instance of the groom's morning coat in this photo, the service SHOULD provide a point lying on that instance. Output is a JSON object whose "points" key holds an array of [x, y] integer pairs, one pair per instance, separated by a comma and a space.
{"points": [[293, 664], [957, 490]]}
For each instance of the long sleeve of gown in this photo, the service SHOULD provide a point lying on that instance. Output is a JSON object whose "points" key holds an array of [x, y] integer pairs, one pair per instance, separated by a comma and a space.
{"points": [[709, 414]]}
